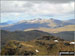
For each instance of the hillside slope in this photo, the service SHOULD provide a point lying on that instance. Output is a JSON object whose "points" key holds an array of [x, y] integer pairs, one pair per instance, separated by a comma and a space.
{"points": [[41, 46], [66, 32], [60, 29], [21, 35]]}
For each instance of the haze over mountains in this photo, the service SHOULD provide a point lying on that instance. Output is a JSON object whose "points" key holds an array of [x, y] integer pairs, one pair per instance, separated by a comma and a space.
{"points": [[37, 23]]}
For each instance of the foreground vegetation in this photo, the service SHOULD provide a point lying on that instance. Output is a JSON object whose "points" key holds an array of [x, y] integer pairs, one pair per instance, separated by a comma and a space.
{"points": [[45, 45]]}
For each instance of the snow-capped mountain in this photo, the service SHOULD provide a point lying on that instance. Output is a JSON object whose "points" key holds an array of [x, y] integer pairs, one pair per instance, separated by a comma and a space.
{"points": [[36, 23]]}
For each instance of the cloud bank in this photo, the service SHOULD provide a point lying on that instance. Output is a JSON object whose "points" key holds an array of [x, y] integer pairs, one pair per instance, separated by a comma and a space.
{"points": [[38, 7]]}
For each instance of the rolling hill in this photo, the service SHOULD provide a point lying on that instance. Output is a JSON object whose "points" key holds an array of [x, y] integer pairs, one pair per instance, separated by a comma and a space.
{"points": [[60, 29], [66, 35], [30, 35], [66, 32], [21, 35]]}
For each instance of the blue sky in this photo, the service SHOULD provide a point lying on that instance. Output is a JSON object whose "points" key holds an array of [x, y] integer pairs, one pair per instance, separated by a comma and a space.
{"points": [[13, 11]]}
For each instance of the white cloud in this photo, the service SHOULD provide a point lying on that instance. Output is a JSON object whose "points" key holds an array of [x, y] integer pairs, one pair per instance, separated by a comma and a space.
{"points": [[16, 8], [11, 6], [51, 1], [36, 8], [47, 8]]}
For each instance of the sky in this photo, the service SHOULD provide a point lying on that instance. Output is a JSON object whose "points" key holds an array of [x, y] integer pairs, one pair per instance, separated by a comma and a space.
{"points": [[16, 10]]}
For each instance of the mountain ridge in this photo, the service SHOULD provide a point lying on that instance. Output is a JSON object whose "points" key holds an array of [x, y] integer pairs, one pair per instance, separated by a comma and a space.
{"points": [[47, 23]]}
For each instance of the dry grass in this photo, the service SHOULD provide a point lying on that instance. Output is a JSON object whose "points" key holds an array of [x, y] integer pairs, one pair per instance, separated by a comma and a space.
{"points": [[60, 29], [45, 49]]}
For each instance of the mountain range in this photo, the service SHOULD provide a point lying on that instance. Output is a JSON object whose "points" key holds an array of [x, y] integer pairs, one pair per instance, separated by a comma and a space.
{"points": [[37, 23]]}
